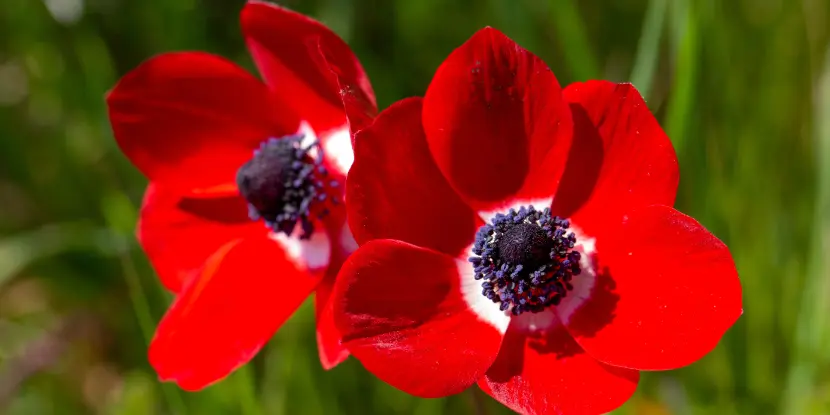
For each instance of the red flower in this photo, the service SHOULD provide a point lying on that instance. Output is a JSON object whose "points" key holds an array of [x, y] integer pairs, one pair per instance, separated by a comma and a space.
{"points": [[550, 309], [221, 148]]}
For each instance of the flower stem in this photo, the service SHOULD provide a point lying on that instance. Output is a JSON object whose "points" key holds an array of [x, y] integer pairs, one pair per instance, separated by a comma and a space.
{"points": [[477, 401], [141, 308], [246, 387]]}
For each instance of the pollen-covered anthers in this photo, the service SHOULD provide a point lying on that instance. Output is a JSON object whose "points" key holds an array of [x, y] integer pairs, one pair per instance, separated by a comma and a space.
{"points": [[525, 259], [285, 184]]}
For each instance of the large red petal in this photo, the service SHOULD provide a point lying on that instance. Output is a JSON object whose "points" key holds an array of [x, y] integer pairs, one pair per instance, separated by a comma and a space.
{"points": [[496, 122], [620, 158], [189, 120], [673, 293], [305, 62], [546, 372], [395, 191], [179, 234], [403, 314], [247, 289]]}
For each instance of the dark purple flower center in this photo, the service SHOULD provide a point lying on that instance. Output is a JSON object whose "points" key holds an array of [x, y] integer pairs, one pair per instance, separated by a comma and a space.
{"points": [[525, 259], [285, 184]]}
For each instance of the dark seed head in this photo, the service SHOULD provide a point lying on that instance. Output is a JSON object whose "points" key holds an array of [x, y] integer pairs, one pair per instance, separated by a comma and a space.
{"points": [[525, 260], [284, 184], [263, 180], [525, 245]]}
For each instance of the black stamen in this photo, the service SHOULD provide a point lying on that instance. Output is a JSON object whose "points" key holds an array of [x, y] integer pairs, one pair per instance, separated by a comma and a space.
{"points": [[284, 185], [525, 243], [526, 260]]}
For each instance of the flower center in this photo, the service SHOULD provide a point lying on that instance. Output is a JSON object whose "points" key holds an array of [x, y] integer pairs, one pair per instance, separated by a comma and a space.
{"points": [[525, 259], [284, 184]]}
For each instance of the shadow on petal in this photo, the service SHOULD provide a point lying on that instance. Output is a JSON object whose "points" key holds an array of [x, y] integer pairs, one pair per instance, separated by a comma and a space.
{"points": [[599, 309], [584, 163], [227, 210]]}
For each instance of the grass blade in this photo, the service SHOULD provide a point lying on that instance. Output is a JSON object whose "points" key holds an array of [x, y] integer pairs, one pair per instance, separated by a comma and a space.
{"points": [[648, 49]]}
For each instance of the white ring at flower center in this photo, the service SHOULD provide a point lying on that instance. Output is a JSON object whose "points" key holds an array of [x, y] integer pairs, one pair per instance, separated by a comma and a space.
{"points": [[489, 312], [311, 254]]}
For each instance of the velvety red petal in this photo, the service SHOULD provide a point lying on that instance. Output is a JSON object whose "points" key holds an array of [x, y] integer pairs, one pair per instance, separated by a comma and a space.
{"points": [[189, 120], [395, 191], [402, 313], [179, 234], [674, 291], [246, 290], [305, 62], [620, 158], [496, 122], [546, 372], [329, 345], [360, 112]]}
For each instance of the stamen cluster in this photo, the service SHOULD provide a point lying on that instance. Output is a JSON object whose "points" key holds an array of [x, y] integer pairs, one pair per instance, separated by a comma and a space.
{"points": [[284, 184], [525, 259]]}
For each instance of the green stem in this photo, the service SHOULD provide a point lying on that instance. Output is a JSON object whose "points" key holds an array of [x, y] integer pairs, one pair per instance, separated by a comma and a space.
{"points": [[246, 387], [142, 312], [478, 404], [685, 77]]}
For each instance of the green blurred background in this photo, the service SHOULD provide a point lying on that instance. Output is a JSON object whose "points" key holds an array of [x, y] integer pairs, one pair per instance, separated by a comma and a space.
{"points": [[741, 86]]}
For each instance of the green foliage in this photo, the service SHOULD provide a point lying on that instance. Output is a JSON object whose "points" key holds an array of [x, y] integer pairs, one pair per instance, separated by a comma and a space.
{"points": [[741, 88]]}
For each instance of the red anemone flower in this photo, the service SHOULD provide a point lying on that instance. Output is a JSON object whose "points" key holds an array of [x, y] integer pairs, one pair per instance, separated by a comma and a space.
{"points": [[243, 217], [520, 236]]}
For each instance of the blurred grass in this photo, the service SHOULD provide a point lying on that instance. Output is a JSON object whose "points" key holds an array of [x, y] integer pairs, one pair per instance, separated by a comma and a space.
{"points": [[812, 339], [648, 48], [739, 86]]}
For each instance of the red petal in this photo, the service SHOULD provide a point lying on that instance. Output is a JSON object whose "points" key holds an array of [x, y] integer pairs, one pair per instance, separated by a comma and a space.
{"points": [[395, 191], [403, 314], [180, 234], [620, 160], [224, 317], [496, 123], [360, 112], [331, 350], [673, 292], [329, 341], [308, 64], [548, 373], [189, 120]]}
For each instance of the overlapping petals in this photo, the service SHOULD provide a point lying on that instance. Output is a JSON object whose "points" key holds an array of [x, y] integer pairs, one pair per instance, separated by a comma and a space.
{"points": [[657, 290], [397, 192], [675, 293], [620, 160], [188, 121], [217, 323], [329, 344], [179, 234], [305, 62], [407, 321], [545, 371]]}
